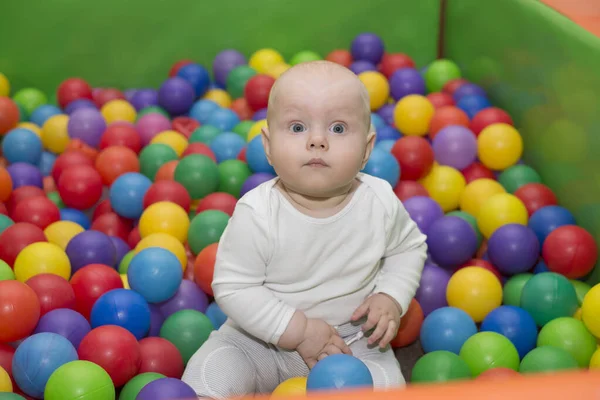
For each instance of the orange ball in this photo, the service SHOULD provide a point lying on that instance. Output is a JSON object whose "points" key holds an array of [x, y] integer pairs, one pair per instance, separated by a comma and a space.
{"points": [[445, 116], [342, 57], [204, 267], [167, 171], [6, 184], [410, 326], [9, 114], [115, 161]]}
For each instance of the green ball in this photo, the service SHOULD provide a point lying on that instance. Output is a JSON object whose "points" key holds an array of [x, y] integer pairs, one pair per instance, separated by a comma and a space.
{"points": [[518, 175], [124, 264], [137, 383], [10, 396], [5, 222], [487, 350], [547, 296], [439, 72], [546, 359], [472, 221], [6, 272], [187, 330], [206, 228], [79, 380], [154, 156], [232, 175], [30, 98], [204, 134], [581, 288], [243, 128], [152, 109], [513, 288], [236, 80], [55, 198], [305, 56], [440, 366], [191, 214], [569, 334], [198, 174]]}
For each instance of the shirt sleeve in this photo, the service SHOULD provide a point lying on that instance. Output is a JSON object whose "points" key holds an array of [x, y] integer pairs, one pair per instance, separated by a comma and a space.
{"points": [[404, 258], [239, 275]]}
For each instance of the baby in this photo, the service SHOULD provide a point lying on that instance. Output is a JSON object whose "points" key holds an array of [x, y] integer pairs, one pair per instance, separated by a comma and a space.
{"points": [[317, 255]]}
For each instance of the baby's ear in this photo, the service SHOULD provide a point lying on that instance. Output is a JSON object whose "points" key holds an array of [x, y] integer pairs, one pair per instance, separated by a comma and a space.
{"points": [[266, 141], [371, 136]]}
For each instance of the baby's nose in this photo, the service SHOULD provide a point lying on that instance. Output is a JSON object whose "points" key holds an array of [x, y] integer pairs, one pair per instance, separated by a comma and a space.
{"points": [[317, 142]]}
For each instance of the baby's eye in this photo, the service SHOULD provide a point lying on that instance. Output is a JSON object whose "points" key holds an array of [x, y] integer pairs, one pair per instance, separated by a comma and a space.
{"points": [[297, 128], [338, 128]]}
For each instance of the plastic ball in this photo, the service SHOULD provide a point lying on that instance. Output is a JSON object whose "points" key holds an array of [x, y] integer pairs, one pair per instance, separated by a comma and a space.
{"points": [[410, 326], [377, 86], [23, 174], [155, 273], [224, 62], [383, 165], [165, 217], [339, 371], [10, 114], [455, 146], [37, 210], [206, 228], [176, 95], [19, 310], [6, 272], [170, 191], [255, 180], [30, 98], [127, 194], [143, 98], [340, 56], [498, 210], [415, 156], [150, 125], [125, 308], [91, 282], [227, 146], [39, 258], [173, 139], [16, 237], [571, 251], [87, 125], [413, 114], [137, 383], [513, 249], [291, 387], [535, 196], [547, 219], [440, 366], [431, 294], [218, 201], [590, 310], [6, 385], [446, 328], [514, 323], [219, 96], [474, 290], [518, 175], [187, 329], [198, 174], [445, 185], [439, 72], [476, 193], [263, 59], [499, 146], [79, 378], [547, 359], [204, 134], [445, 117], [22, 145], [547, 296], [571, 335], [166, 388], [404, 190], [239, 76], [487, 117], [80, 187], [257, 91], [6, 185], [451, 241], [487, 350], [90, 247], [115, 161], [118, 110], [65, 322], [472, 104], [166, 242], [154, 157], [197, 76], [424, 211]]}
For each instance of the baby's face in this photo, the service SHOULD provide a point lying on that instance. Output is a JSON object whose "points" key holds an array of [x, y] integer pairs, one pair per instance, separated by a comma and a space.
{"points": [[318, 135]]}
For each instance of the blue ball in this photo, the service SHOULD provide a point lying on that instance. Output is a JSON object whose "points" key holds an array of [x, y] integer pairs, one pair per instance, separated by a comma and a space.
{"points": [[77, 216], [216, 316], [384, 165], [468, 89], [547, 219], [223, 118], [202, 110], [514, 323], [22, 145], [46, 162], [127, 194], [256, 157], [42, 113], [386, 145], [387, 132], [155, 273], [37, 357], [377, 121], [339, 371], [227, 146], [472, 104], [446, 328], [540, 267], [122, 307], [197, 76]]}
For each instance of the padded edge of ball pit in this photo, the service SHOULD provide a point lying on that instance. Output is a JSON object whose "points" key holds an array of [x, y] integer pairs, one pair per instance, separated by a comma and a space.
{"points": [[133, 43], [542, 68]]}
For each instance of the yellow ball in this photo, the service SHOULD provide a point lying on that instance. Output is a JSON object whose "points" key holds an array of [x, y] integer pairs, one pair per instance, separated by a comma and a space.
{"points": [[61, 232], [275, 71], [55, 136], [412, 115], [477, 192], [499, 146], [4, 85], [291, 387], [164, 241], [42, 258], [445, 185], [219, 96], [474, 290], [118, 110], [590, 310], [595, 360], [264, 59], [498, 210], [256, 129], [125, 281], [165, 217], [173, 139], [5, 382], [377, 86], [32, 127], [577, 314]]}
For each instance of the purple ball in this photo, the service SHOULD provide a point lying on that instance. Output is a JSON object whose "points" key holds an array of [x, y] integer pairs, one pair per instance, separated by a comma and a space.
{"points": [[91, 247], [387, 113], [424, 211], [156, 320], [188, 297], [452, 241], [468, 89], [455, 146], [406, 81], [176, 95], [362, 66], [367, 47], [79, 104], [255, 180], [431, 294], [88, 125], [150, 125], [513, 249], [166, 389], [121, 248], [260, 114], [224, 62], [24, 174], [65, 322], [144, 98], [129, 93]]}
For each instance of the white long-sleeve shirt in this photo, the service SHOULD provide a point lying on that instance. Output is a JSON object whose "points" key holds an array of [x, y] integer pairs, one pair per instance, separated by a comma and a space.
{"points": [[273, 260]]}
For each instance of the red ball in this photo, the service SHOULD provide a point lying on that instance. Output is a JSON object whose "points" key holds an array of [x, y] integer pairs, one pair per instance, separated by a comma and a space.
{"points": [[489, 116], [134, 237], [410, 326], [242, 155], [80, 187], [39, 211], [113, 348], [73, 158], [16, 237], [19, 310], [160, 356], [115, 161], [9, 114], [571, 251], [477, 171], [204, 267], [218, 201], [177, 66], [340, 56], [242, 109], [121, 133], [168, 191], [6, 356], [112, 224], [72, 89], [53, 292], [406, 189], [393, 61], [103, 96], [477, 262], [91, 282], [20, 194], [3, 209], [199, 148], [535, 196], [415, 156], [453, 84], [256, 91], [185, 125], [444, 116], [102, 208], [440, 99]]}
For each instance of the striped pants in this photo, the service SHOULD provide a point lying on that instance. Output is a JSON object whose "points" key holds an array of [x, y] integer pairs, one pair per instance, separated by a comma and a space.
{"points": [[232, 363]]}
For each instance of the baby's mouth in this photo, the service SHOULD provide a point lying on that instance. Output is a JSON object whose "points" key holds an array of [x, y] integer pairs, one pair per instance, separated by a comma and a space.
{"points": [[316, 163]]}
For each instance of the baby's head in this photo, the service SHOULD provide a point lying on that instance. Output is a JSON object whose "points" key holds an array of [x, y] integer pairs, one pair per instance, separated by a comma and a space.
{"points": [[319, 133]]}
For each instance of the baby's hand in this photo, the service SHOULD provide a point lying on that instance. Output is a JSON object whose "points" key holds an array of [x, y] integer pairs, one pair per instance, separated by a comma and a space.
{"points": [[384, 314], [320, 340]]}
